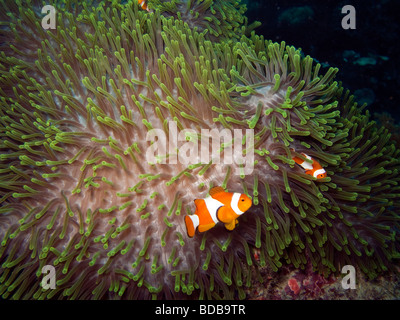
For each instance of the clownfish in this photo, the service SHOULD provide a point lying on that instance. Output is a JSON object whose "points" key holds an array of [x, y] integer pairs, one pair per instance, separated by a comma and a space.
{"points": [[220, 206], [143, 4], [313, 169]]}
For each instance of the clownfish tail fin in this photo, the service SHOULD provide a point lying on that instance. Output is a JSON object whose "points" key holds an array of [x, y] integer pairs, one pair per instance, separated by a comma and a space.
{"points": [[191, 222]]}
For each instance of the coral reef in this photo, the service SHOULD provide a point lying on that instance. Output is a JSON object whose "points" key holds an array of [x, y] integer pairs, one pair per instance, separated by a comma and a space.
{"points": [[313, 286], [78, 192]]}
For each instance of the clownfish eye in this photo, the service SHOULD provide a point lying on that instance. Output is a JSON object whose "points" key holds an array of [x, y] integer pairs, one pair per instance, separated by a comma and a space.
{"points": [[242, 199]]}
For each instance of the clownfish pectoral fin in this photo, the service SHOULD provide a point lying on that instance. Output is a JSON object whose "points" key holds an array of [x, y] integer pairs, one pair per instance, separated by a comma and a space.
{"points": [[205, 227], [216, 190], [224, 214], [309, 172], [230, 226]]}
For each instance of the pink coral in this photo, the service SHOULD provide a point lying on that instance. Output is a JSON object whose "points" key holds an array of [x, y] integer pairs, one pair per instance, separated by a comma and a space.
{"points": [[294, 286]]}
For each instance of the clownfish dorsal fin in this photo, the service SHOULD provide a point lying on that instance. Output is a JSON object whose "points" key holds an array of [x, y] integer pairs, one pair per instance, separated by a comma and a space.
{"points": [[216, 190], [197, 202]]}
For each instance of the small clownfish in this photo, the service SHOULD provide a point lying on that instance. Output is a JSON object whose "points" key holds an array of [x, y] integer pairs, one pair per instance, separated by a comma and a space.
{"points": [[220, 206], [143, 4], [313, 169]]}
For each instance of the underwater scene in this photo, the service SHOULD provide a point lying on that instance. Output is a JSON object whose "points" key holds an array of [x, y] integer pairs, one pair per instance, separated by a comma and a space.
{"points": [[199, 150]]}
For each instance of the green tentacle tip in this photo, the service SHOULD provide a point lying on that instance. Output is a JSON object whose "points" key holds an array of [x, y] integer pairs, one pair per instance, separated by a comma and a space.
{"points": [[180, 237], [207, 261], [277, 78]]}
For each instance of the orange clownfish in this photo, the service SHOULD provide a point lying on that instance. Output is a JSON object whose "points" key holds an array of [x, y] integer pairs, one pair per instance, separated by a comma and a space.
{"points": [[220, 206], [313, 169], [143, 4]]}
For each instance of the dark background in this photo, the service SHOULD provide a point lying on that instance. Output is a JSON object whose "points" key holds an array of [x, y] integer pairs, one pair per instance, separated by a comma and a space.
{"points": [[367, 57]]}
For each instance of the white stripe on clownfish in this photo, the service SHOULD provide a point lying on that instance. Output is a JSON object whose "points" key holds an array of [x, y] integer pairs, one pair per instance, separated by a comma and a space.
{"points": [[318, 173], [305, 164], [235, 202], [212, 206]]}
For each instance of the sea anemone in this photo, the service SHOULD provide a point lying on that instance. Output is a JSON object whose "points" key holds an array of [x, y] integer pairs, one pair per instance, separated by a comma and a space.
{"points": [[77, 190], [220, 19]]}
